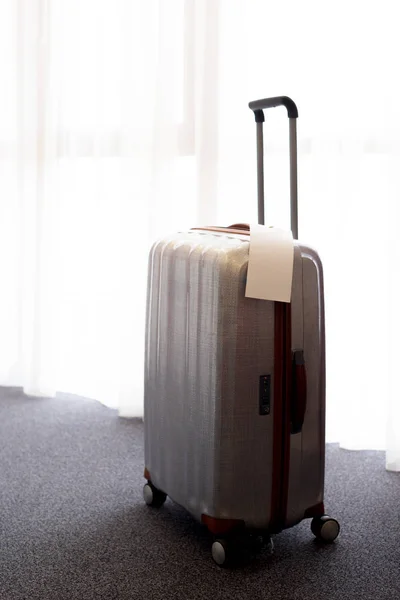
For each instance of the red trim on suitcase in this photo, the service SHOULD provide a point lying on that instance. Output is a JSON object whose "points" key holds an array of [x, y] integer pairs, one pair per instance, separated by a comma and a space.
{"points": [[315, 511], [277, 408], [281, 407], [287, 394], [221, 526], [238, 229]]}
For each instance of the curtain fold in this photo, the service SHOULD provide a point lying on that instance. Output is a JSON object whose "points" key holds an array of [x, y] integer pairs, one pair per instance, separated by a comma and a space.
{"points": [[123, 121]]}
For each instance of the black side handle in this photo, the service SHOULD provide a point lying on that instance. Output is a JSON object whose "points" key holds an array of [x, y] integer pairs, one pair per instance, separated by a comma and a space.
{"points": [[258, 106]]}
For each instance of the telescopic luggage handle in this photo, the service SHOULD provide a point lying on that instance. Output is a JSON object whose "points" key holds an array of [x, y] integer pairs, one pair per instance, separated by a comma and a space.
{"points": [[258, 107]]}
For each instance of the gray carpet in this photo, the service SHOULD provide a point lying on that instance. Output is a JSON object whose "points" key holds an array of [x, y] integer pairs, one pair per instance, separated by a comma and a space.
{"points": [[73, 524]]}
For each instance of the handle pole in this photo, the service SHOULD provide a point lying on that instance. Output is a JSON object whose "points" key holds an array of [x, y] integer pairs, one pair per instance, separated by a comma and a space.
{"points": [[293, 178], [260, 173], [258, 106]]}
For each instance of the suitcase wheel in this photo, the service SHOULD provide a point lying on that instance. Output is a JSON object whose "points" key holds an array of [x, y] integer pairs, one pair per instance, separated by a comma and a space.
{"points": [[222, 552], [228, 551], [325, 528], [152, 496]]}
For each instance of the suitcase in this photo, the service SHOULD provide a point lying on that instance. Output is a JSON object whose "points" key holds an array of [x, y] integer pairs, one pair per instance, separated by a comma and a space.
{"points": [[234, 411]]}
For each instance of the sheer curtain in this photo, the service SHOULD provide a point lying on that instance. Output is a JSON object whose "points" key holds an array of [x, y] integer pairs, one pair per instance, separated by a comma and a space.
{"points": [[121, 121]]}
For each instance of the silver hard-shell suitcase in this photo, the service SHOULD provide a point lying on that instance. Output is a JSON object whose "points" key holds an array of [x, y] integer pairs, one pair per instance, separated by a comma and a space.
{"points": [[234, 410]]}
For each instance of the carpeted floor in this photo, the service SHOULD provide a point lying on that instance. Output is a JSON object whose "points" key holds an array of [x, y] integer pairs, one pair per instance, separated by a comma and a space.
{"points": [[73, 524]]}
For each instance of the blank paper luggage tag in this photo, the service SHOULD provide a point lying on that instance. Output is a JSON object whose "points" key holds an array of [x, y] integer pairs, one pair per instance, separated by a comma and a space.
{"points": [[270, 270]]}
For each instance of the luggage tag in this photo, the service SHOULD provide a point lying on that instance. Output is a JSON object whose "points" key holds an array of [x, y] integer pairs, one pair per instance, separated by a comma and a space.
{"points": [[270, 268]]}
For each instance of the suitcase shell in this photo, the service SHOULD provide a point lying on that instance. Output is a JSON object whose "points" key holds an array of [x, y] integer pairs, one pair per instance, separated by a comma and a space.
{"points": [[206, 444]]}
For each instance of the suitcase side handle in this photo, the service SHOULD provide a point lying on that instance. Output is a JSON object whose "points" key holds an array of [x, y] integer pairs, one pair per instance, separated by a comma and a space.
{"points": [[257, 106], [299, 392]]}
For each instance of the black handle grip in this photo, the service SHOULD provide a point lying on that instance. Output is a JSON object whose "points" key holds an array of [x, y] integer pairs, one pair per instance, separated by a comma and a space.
{"points": [[258, 106]]}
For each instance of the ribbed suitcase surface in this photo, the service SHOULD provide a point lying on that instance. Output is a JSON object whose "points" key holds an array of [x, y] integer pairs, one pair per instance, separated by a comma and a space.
{"points": [[210, 432]]}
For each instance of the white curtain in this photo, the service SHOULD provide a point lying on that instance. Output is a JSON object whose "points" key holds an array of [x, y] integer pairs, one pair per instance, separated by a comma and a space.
{"points": [[123, 120]]}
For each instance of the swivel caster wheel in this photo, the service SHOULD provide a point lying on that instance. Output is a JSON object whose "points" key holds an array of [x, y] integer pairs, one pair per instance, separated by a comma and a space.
{"points": [[223, 553], [152, 496], [325, 529]]}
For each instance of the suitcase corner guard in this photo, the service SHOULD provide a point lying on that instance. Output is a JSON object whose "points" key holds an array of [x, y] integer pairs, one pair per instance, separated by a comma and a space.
{"points": [[315, 511], [221, 526]]}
